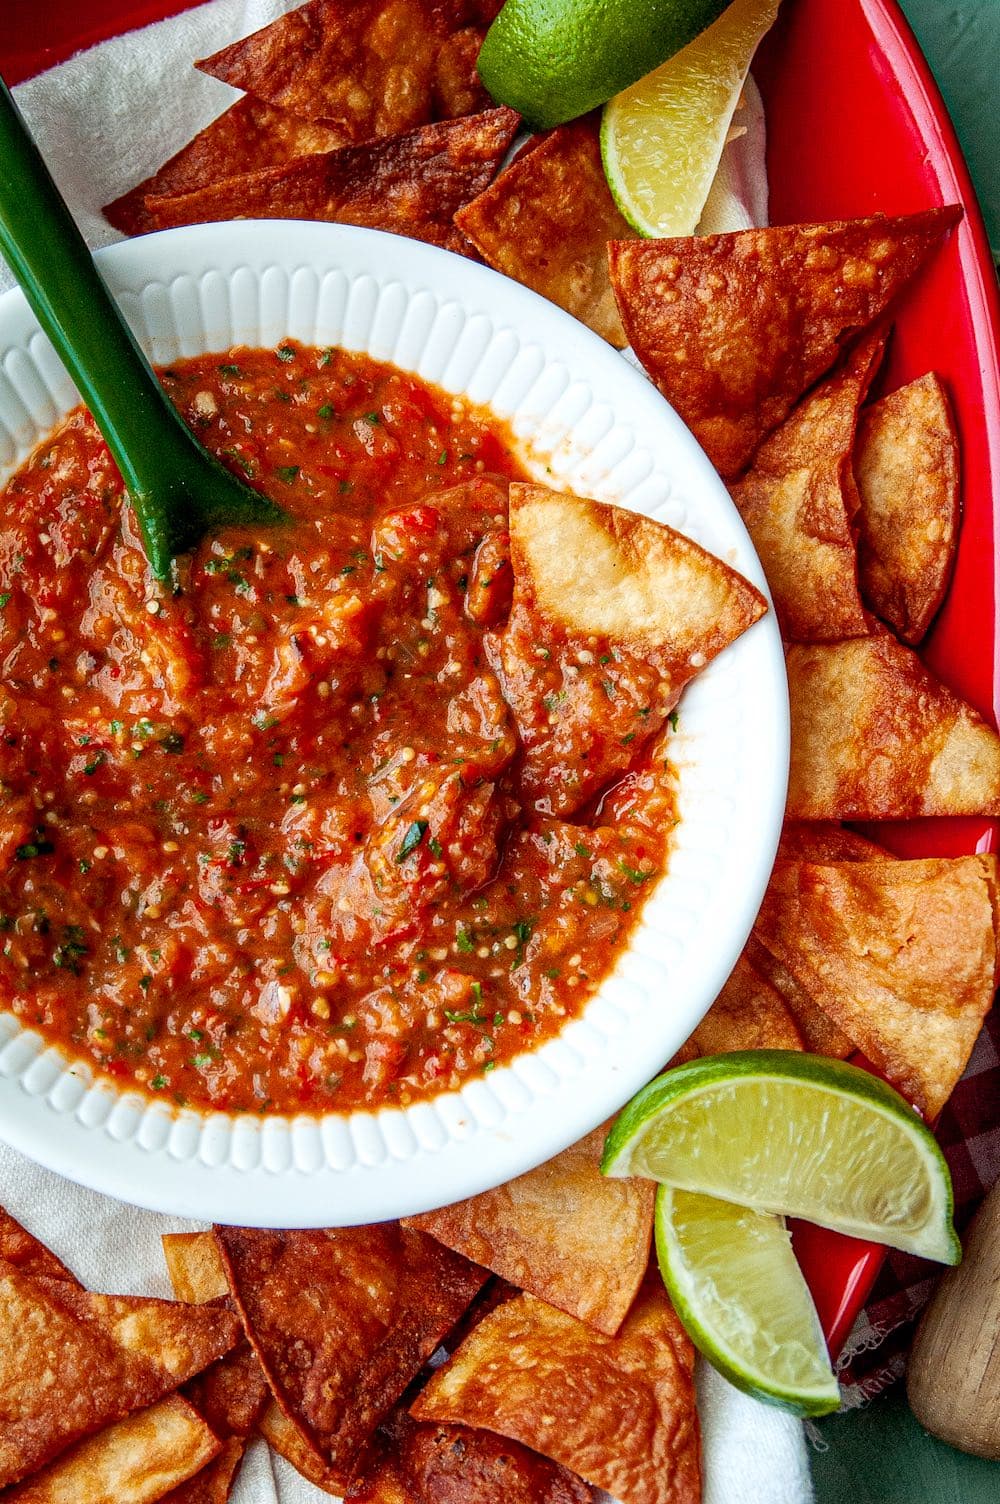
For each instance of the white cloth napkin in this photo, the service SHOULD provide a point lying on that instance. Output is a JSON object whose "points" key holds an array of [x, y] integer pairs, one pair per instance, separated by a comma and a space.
{"points": [[103, 121]]}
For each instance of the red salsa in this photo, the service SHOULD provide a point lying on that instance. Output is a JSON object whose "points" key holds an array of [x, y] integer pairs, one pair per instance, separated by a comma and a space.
{"points": [[263, 839]]}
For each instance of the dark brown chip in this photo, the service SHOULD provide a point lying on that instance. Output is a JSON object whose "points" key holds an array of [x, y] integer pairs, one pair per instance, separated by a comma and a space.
{"points": [[734, 328], [409, 185], [342, 1320], [547, 221]]}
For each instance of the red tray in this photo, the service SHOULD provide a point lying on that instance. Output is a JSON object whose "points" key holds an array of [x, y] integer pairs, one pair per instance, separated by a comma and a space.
{"points": [[856, 124]]}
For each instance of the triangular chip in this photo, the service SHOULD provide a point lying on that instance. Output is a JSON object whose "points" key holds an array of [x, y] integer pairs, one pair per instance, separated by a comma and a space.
{"points": [[900, 954], [26, 1253], [619, 1411], [734, 328], [195, 1268], [907, 474], [825, 841], [247, 137], [136, 1461], [370, 67], [425, 1462], [799, 501], [368, 1304], [214, 1482], [559, 1233], [289, 1442], [409, 185], [819, 1032], [876, 737], [748, 1014], [173, 1338], [613, 614], [547, 221]]}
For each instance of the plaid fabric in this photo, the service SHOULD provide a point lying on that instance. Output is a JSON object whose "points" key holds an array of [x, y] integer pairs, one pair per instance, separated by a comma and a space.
{"points": [[874, 1355]]}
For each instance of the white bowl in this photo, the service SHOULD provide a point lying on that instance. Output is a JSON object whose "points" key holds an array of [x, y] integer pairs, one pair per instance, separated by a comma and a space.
{"points": [[584, 420]]}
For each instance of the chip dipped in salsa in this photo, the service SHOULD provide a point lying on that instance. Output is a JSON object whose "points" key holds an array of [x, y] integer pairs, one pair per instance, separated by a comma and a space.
{"points": [[264, 839]]}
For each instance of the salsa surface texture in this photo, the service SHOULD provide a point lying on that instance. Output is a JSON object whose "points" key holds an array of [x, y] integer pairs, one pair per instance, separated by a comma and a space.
{"points": [[263, 844]]}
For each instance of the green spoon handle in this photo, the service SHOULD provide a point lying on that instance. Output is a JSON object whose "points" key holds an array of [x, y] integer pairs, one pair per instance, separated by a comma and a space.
{"points": [[176, 488]]}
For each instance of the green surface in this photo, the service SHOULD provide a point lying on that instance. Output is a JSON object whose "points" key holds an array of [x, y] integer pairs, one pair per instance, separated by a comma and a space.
{"points": [[962, 44]]}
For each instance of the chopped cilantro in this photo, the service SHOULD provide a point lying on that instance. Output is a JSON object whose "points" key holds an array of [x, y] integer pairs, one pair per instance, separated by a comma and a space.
{"points": [[411, 840], [4, 599], [158, 1083], [285, 353], [672, 718], [464, 941], [326, 411], [288, 473]]}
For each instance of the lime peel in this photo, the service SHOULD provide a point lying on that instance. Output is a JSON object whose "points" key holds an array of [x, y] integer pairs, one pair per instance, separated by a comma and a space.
{"points": [[794, 1134], [734, 1282]]}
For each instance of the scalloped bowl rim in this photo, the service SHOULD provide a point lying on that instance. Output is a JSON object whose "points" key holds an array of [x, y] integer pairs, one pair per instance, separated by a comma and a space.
{"points": [[606, 433]]}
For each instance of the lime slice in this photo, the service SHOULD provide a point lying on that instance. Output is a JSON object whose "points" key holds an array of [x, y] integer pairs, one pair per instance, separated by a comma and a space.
{"points": [[735, 1285], [662, 139], [556, 59], [795, 1134]]}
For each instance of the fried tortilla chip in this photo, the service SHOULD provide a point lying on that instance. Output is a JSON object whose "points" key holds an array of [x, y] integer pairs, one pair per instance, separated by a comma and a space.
{"points": [[900, 954], [136, 1461], [214, 1482], [819, 1033], [423, 1462], [876, 737], [823, 841], [409, 185], [369, 67], [171, 1337], [799, 500], [618, 1411], [734, 328], [249, 136], [370, 1304], [292, 1444], [547, 221], [748, 1014], [195, 1268], [558, 1233], [613, 614], [26, 1253], [907, 473]]}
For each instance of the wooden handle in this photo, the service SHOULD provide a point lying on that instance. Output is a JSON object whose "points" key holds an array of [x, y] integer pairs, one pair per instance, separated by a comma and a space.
{"points": [[953, 1377]]}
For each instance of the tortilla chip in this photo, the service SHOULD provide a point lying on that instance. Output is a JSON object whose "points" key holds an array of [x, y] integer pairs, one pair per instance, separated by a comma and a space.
{"points": [[423, 1462], [560, 1233], [799, 501], [819, 1033], [618, 1411], [823, 841], [734, 328], [172, 1338], [249, 136], [876, 737], [368, 67], [900, 954], [195, 1269], [547, 221], [409, 185], [907, 474], [370, 1304], [597, 585], [26, 1253], [286, 1439], [214, 1482], [136, 1461], [748, 1014]]}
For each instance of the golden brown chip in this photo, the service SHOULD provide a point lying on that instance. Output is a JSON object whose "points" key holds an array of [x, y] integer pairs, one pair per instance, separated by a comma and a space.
{"points": [[559, 1233], [292, 1444], [26, 1253], [900, 954], [136, 1461], [618, 1411], [424, 1462], [369, 67], [409, 185], [250, 135], [799, 501], [819, 1032], [876, 737], [171, 1337], [734, 328], [547, 221], [824, 841], [213, 1483], [369, 1304], [907, 473], [748, 1014], [196, 1271], [635, 608]]}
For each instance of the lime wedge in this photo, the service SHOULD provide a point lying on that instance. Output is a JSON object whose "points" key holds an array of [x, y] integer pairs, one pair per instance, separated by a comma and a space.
{"points": [[556, 59], [661, 140], [735, 1285], [795, 1134]]}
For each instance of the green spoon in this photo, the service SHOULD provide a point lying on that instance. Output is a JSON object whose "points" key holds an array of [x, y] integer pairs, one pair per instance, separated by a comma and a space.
{"points": [[179, 492]]}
